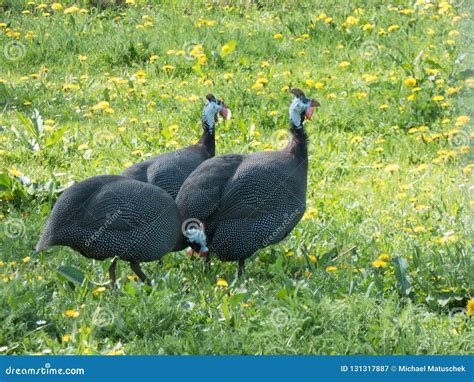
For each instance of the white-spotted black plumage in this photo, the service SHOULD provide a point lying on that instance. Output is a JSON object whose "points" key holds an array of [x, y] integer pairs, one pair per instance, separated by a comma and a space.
{"points": [[170, 170], [247, 202], [113, 216]]}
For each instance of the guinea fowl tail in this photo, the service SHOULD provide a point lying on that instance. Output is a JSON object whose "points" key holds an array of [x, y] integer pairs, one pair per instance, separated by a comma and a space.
{"points": [[43, 243]]}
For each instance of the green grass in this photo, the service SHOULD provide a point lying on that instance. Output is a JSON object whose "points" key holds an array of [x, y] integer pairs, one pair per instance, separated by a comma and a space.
{"points": [[378, 183]]}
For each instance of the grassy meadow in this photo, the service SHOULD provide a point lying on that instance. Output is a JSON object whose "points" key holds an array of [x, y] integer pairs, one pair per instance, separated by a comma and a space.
{"points": [[381, 263]]}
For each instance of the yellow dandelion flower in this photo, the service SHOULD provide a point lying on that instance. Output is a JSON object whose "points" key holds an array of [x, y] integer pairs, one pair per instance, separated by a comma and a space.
{"points": [[392, 168], [344, 64], [351, 20], [368, 27], [119, 351], [356, 139], [419, 229], [470, 306], [71, 10], [97, 291], [410, 81], [384, 257], [71, 313], [153, 58], [83, 146], [222, 282], [310, 213], [379, 264], [278, 36], [369, 77], [331, 268], [26, 259], [14, 172], [56, 7], [452, 90], [167, 68], [438, 98], [462, 120], [102, 105]]}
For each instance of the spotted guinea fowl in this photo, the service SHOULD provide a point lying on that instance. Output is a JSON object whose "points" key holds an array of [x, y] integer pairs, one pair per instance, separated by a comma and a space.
{"points": [[114, 216], [247, 202], [170, 170]]}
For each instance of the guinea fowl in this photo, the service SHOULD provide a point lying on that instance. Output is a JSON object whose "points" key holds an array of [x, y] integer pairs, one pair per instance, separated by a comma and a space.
{"points": [[113, 216], [247, 202], [170, 170]]}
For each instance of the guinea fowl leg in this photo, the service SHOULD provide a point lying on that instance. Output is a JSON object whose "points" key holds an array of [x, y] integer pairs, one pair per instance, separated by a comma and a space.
{"points": [[241, 269], [136, 268], [112, 268]]}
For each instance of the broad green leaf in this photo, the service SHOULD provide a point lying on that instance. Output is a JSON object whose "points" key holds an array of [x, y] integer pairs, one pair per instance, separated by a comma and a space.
{"points": [[225, 308], [401, 273], [55, 136], [73, 274], [5, 182], [27, 123]]}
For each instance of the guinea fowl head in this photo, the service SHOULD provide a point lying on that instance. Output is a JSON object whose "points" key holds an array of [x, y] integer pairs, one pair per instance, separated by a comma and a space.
{"points": [[211, 110], [196, 237], [301, 108]]}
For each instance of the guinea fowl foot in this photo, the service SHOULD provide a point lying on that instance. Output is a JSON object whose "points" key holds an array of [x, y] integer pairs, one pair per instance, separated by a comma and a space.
{"points": [[138, 271], [112, 268], [241, 269]]}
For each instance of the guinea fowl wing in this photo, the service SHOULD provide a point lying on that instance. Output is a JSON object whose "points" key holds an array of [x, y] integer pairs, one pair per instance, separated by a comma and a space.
{"points": [[124, 205], [201, 193], [262, 203], [169, 170], [262, 183]]}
